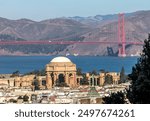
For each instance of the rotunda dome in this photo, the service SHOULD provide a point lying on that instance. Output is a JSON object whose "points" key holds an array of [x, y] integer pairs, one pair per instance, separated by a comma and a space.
{"points": [[60, 59]]}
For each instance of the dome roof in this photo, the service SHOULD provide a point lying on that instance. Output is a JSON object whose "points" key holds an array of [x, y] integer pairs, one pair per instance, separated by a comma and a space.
{"points": [[60, 59]]}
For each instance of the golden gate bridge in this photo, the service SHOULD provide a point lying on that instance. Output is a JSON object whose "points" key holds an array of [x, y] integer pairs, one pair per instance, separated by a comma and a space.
{"points": [[121, 40]]}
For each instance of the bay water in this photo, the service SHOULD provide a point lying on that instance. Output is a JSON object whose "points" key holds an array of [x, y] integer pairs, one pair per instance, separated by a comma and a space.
{"points": [[24, 64]]}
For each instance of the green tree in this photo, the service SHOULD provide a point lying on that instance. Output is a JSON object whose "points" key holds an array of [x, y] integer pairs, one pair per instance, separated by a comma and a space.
{"points": [[139, 90], [79, 71], [20, 97], [13, 101], [37, 72], [84, 81], [102, 70], [25, 98], [115, 98], [94, 72], [122, 76], [108, 79], [15, 73], [35, 83]]}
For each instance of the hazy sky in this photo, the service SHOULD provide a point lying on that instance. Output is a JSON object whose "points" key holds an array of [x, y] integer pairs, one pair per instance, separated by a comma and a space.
{"points": [[45, 9]]}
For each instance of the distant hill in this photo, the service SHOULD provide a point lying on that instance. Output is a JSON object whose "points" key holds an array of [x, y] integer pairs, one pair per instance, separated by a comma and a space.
{"points": [[24, 29], [94, 28], [94, 20], [47, 29]]}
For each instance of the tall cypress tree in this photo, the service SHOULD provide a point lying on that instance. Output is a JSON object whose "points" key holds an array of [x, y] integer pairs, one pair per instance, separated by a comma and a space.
{"points": [[122, 76], [139, 90]]}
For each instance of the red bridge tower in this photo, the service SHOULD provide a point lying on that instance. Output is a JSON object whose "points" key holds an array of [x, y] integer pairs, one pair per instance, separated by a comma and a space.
{"points": [[121, 36]]}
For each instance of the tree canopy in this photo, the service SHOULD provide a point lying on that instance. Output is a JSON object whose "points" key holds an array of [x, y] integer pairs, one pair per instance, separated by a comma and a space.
{"points": [[115, 98], [108, 79], [139, 90], [25, 98], [15, 73], [79, 71]]}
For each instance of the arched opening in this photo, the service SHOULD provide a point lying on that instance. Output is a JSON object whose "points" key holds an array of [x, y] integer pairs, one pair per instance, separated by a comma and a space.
{"points": [[98, 81], [61, 78], [14, 84], [60, 82], [70, 74], [20, 84], [44, 82], [91, 81], [95, 83], [78, 81]]}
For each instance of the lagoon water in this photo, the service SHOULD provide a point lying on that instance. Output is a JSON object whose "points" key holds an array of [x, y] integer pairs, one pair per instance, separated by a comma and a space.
{"points": [[24, 64]]}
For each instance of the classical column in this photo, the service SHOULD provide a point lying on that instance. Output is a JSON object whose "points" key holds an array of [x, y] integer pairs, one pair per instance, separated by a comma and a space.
{"points": [[74, 79], [17, 82], [102, 79], [67, 79], [88, 76], [92, 80], [55, 77], [40, 82], [27, 82], [95, 81], [48, 80]]}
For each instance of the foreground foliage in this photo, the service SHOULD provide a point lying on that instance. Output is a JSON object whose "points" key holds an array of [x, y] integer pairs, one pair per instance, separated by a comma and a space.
{"points": [[139, 91]]}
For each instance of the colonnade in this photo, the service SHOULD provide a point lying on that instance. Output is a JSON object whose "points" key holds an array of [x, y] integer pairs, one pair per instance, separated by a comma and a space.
{"points": [[53, 77]]}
